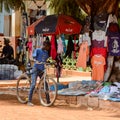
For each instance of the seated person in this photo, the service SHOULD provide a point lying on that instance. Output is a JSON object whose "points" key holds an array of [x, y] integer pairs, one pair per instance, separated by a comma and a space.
{"points": [[7, 52]]}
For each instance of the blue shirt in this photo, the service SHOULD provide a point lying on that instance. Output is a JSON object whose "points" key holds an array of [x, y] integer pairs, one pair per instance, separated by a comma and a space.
{"points": [[41, 56]]}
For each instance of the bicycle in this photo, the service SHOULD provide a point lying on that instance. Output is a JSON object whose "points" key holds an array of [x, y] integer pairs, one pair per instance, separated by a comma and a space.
{"points": [[46, 87]]}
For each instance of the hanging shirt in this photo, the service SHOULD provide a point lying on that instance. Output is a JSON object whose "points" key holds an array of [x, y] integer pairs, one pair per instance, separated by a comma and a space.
{"points": [[82, 56], [98, 62], [63, 42], [98, 37], [60, 46], [53, 51], [29, 45], [111, 19], [85, 37], [102, 51], [98, 44], [114, 44], [100, 21]]}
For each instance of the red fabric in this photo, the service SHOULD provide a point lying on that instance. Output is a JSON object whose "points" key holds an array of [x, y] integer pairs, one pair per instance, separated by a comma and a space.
{"points": [[53, 52], [113, 27], [102, 51]]}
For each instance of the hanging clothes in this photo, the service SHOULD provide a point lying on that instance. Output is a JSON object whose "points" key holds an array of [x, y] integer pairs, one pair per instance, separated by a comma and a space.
{"points": [[102, 51], [58, 66], [70, 47], [99, 39], [114, 44], [33, 43], [83, 55], [39, 41], [60, 46], [98, 62], [29, 45], [85, 37], [111, 19], [53, 52], [63, 42], [100, 21]]}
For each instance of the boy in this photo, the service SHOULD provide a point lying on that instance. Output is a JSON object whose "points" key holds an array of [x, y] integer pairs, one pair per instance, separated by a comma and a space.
{"points": [[40, 55]]}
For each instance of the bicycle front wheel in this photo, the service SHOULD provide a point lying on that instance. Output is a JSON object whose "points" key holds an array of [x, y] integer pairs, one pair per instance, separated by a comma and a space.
{"points": [[22, 88], [47, 92]]}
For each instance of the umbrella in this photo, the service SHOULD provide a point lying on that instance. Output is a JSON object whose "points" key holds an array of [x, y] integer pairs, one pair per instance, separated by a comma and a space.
{"points": [[31, 28], [58, 24]]}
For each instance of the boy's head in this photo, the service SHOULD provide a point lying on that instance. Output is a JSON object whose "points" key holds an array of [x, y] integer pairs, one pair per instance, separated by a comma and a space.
{"points": [[46, 45]]}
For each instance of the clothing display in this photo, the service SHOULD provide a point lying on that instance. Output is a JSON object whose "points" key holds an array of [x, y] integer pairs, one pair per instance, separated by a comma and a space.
{"points": [[70, 48], [114, 44], [94, 47], [100, 21], [98, 62], [111, 19], [53, 52], [83, 55], [60, 46], [99, 39], [29, 45], [39, 40], [85, 37], [63, 42], [102, 51]]}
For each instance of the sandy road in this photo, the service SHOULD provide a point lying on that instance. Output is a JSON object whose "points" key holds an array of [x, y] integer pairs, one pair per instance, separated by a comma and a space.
{"points": [[11, 109]]}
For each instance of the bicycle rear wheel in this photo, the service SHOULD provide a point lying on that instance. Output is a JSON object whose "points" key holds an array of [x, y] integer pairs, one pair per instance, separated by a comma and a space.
{"points": [[23, 86], [47, 92]]}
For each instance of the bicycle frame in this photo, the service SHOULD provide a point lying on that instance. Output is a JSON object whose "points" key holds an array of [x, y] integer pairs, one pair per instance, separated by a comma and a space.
{"points": [[47, 94], [43, 77]]}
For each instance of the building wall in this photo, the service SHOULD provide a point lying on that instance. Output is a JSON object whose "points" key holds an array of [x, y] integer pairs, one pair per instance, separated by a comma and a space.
{"points": [[5, 22]]}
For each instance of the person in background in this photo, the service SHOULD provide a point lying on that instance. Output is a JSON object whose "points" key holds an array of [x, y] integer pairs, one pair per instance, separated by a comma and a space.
{"points": [[40, 55], [7, 52]]}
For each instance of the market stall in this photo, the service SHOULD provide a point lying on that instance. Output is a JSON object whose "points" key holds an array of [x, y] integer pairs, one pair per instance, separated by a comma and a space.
{"points": [[55, 27]]}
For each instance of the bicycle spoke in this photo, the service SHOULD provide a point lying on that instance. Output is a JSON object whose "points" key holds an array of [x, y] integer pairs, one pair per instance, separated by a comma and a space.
{"points": [[23, 86], [47, 94]]}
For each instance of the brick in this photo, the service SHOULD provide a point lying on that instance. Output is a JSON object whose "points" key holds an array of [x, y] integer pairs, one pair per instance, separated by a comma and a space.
{"points": [[82, 100], [93, 102], [72, 99]]}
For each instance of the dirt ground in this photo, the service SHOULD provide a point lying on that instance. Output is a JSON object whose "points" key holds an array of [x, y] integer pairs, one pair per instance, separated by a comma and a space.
{"points": [[11, 109]]}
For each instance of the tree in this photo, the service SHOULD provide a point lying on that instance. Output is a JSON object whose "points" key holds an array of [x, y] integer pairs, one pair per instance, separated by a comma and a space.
{"points": [[12, 4], [98, 6], [90, 7], [67, 7]]}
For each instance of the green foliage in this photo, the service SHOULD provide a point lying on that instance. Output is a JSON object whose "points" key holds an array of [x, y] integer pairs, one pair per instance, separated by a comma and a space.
{"points": [[67, 7], [13, 4]]}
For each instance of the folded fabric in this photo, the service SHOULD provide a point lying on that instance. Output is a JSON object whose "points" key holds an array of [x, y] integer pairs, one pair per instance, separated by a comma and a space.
{"points": [[114, 99]]}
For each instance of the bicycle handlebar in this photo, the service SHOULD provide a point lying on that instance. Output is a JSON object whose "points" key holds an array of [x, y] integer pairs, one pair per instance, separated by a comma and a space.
{"points": [[45, 63]]}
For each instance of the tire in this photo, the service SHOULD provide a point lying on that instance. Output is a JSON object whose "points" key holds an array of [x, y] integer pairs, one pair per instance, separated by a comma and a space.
{"points": [[47, 97], [23, 86]]}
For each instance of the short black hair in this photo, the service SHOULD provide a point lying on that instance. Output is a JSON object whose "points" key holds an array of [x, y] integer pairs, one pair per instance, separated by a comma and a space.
{"points": [[6, 40], [46, 43]]}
